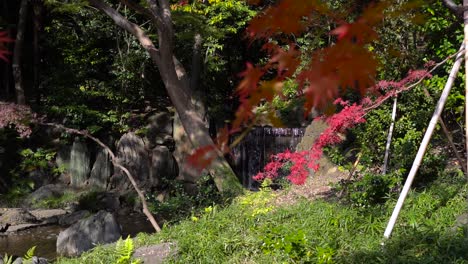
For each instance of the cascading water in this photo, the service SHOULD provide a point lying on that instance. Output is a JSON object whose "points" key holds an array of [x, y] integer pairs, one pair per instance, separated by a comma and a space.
{"points": [[252, 154]]}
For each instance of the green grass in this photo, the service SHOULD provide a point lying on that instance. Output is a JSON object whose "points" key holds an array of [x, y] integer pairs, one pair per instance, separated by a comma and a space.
{"points": [[251, 230]]}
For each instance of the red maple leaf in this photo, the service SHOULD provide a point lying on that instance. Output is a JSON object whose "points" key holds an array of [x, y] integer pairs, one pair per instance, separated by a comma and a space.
{"points": [[202, 157], [4, 38]]}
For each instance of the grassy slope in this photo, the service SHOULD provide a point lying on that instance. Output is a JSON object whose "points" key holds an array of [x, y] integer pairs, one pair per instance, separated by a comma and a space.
{"points": [[253, 230]]}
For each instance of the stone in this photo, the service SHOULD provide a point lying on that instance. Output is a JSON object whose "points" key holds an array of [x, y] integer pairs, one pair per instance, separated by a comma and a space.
{"points": [[72, 218], [163, 165], [159, 129], [101, 228], [18, 260], [132, 154], [62, 160], [156, 254], [17, 216], [39, 178], [108, 201], [37, 260], [45, 192], [79, 164], [101, 171]]}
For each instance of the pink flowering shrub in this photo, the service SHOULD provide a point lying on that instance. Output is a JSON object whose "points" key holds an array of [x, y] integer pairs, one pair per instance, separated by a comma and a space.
{"points": [[16, 116], [338, 124], [348, 117]]}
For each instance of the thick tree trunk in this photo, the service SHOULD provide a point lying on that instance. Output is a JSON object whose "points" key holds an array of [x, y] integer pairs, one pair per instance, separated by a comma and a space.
{"points": [[18, 53], [176, 83]]}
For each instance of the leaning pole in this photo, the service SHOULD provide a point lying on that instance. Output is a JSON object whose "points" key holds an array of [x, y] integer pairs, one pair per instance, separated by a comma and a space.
{"points": [[425, 141], [465, 41]]}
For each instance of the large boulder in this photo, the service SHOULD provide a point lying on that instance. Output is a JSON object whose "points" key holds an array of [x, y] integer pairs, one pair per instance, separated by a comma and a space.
{"points": [[79, 164], [63, 161], [132, 154], [159, 129], [101, 228], [163, 165], [101, 171]]}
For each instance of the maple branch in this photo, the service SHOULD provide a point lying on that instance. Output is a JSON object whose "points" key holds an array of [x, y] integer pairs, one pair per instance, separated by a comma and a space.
{"points": [[116, 164], [393, 93]]}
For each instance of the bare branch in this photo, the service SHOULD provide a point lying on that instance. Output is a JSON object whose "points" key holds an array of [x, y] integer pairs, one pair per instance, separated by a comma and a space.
{"points": [[116, 164], [409, 87]]}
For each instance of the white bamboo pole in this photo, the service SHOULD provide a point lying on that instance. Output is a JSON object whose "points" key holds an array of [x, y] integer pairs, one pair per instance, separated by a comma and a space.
{"points": [[389, 137], [424, 143], [465, 41]]}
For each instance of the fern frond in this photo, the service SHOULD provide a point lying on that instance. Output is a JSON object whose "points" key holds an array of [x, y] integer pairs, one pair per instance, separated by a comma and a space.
{"points": [[30, 253], [124, 250], [8, 259]]}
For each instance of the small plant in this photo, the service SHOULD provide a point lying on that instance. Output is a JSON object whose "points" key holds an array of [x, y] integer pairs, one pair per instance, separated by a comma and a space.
{"points": [[124, 250], [27, 258], [294, 244], [371, 189]]}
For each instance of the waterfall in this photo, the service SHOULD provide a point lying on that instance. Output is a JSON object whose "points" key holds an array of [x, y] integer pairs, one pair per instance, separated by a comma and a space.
{"points": [[253, 153]]}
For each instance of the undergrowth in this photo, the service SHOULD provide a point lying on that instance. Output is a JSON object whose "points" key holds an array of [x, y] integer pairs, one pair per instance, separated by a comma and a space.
{"points": [[253, 230]]}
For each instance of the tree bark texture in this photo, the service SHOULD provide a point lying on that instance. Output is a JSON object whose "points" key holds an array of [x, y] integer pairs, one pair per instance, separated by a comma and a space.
{"points": [[176, 82], [18, 53]]}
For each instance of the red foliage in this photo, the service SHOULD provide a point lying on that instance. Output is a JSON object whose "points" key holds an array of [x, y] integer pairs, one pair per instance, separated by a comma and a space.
{"points": [[4, 38], [346, 64], [17, 116], [338, 123]]}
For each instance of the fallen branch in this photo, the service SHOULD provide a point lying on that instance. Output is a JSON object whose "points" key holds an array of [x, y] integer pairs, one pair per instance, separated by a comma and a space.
{"points": [[116, 164]]}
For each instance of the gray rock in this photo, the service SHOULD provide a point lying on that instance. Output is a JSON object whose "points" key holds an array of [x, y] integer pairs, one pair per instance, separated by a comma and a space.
{"points": [[63, 161], [39, 178], [45, 192], [37, 260], [101, 171], [72, 218], [108, 201], [79, 164], [18, 260], [132, 154], [159, 129], [156, 254], [17, 216], [163, 165], [100, 228]]}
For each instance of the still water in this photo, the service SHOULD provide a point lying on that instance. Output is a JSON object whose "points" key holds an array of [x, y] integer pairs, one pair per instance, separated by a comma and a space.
{"points": [[45, 237]]}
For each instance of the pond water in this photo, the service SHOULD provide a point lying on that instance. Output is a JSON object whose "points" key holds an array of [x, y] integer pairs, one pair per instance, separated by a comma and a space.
{"points": [[45, 237]]}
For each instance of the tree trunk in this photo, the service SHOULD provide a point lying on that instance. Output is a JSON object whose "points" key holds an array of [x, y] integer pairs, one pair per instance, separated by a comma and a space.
{"points": [[18, 53], [176, 83], [37, 9]]}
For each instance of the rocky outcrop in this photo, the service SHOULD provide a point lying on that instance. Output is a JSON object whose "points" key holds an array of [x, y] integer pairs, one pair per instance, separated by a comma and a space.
{"points": [[101, 228], [163, 165], [132, 154], [101, 171], [79, 163]]}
